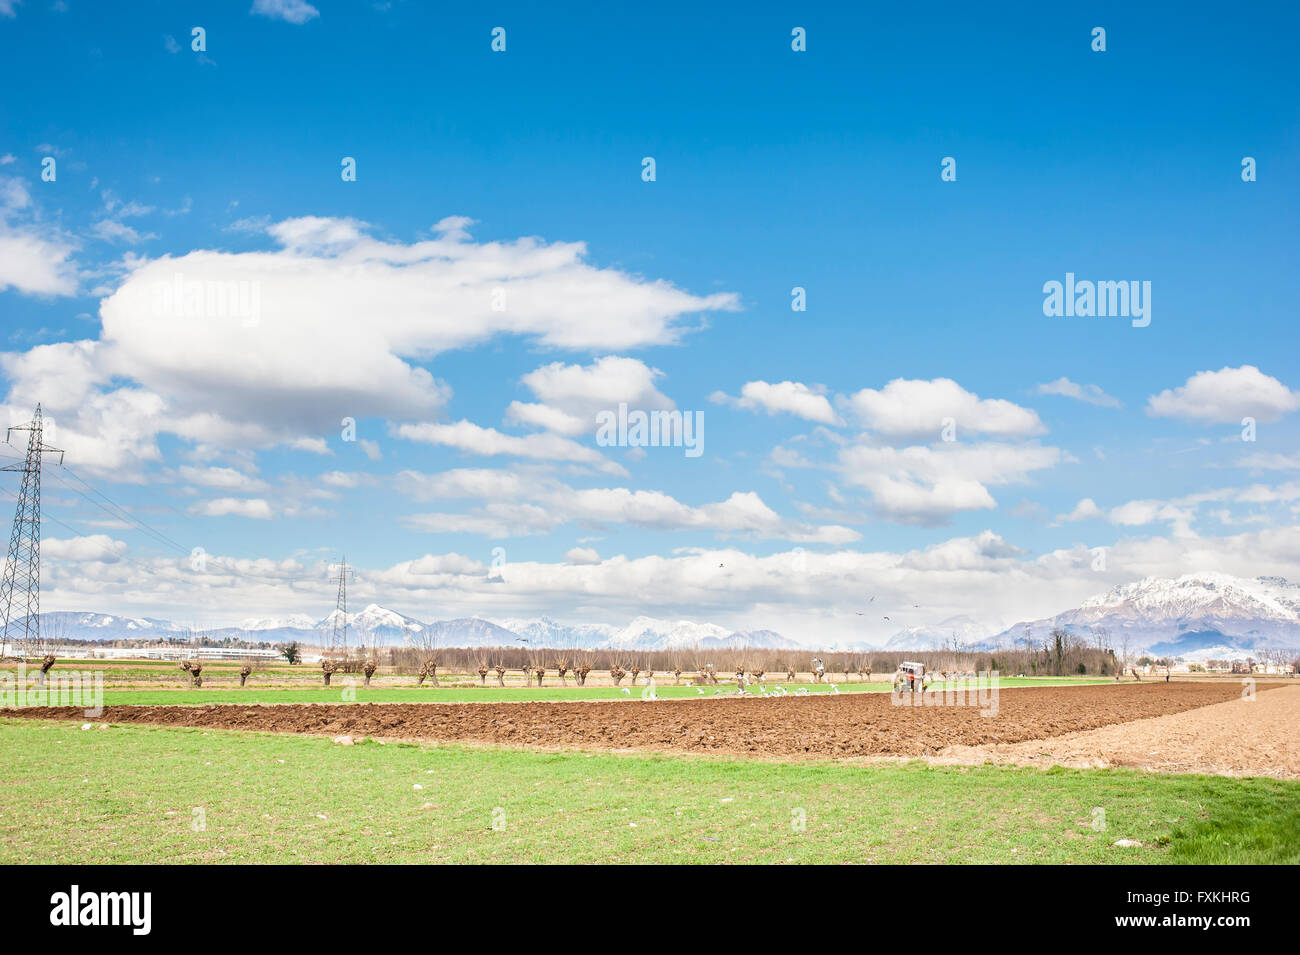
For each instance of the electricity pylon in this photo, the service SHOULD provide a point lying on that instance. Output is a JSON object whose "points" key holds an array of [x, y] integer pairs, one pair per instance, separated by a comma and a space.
{"points": [[20, 591], [339, 638]]}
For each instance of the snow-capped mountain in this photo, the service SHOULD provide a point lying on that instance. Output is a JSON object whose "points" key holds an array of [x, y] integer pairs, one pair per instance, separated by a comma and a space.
{"points": [[1195, 616], [545, 632], [1180, 616], [376, 624], [471, 632], [964, 630], [648, 633], [295, 621], [77, 625], [375, 621]]}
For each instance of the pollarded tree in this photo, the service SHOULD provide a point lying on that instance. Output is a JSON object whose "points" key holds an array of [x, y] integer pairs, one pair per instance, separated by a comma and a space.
{"points": [[244, 672]]}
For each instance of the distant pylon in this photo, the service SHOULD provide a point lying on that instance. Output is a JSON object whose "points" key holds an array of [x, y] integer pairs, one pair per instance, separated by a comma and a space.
{"points": [[20, 591], [339, 638]]}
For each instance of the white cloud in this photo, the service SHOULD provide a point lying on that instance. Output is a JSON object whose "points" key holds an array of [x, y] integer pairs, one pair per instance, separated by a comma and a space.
{"points": [[808, 596], [256, 508], [520, 505], [93, 547], [1270, 462], [917, 408], [34, 258], [252, 369], [460, 483], [785, 397], [474, 439], [582, 555], [345, 479], [291, 11], [570, 396], [926, 485], [1085, 510], [1225, 397], [1091, 394], [227, 479]]}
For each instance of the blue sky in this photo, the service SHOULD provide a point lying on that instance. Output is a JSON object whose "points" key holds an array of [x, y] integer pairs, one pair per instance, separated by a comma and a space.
{"points": [[774, 169]]}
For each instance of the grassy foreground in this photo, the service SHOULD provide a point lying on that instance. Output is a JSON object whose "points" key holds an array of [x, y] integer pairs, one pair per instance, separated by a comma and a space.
{"points": [[142, 794], [343, 691]]}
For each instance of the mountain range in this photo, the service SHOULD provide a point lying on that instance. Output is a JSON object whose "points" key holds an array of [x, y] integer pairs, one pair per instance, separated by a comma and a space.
{"points": [[1196, 616]]}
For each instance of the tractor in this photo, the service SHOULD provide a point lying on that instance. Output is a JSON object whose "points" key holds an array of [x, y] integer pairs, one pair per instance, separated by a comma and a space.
{"points": [[910, 676]]}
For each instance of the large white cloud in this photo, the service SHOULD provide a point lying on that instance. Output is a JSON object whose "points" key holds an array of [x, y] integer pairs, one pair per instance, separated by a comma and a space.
{"points": [[1225, 397], [925, 484], [915, 408], [253, 349]]}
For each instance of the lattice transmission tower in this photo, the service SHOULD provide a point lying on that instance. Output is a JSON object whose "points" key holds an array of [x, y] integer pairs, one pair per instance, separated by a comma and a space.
{"points": [[20, 591], [339, 636]]}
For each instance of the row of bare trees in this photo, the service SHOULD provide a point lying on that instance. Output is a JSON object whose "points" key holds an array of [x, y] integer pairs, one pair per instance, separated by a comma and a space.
{"points": [[1062, 657]]}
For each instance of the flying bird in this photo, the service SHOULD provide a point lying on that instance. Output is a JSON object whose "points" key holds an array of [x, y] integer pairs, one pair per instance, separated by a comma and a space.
{"points": [[886, 618]]}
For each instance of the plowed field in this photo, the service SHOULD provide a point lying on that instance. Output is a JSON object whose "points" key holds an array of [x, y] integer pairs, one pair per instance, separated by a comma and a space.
{"points": [[821, 726]]}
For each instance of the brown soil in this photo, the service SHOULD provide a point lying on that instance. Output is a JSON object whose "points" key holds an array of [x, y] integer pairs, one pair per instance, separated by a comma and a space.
{"points": [[850, 725], [1236, 738]]}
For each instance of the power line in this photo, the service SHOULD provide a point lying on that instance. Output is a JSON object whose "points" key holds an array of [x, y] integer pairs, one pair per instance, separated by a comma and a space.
{"points": [[122, 514]]}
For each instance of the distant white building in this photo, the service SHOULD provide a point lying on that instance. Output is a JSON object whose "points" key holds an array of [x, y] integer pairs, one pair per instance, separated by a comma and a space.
{"points": [[164, 653]]}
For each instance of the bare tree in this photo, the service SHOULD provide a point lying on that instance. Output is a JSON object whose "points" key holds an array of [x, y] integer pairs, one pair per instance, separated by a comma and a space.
{"points": [[425, 641]]}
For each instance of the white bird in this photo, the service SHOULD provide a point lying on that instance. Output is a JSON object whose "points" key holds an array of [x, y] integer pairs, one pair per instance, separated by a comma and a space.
{"points": [[699, 691], [626, 691]]}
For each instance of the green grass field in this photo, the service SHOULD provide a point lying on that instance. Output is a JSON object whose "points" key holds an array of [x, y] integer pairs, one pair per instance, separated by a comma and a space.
{"points": [[343, 691], [144, 794]]}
